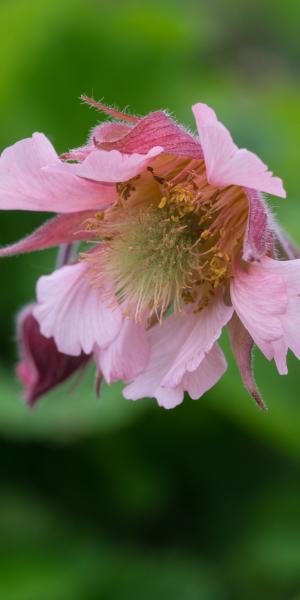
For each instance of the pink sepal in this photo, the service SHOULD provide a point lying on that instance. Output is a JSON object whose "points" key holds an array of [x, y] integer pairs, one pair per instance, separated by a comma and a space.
{"points": [[63, 229], [256, 234], [242, 347], [157, 129]]}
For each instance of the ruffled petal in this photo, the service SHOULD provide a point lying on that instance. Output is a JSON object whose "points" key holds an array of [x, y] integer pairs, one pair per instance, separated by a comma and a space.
{"points": [[260, 299], [31, 179], [127, 355], [289, 271], [177, 348], [63, 229], [195, 383], [226, 164], [74, 313]]}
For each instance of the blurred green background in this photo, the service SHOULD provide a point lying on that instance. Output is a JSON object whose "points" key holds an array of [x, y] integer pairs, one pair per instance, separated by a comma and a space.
{"points": [[117, 500]]}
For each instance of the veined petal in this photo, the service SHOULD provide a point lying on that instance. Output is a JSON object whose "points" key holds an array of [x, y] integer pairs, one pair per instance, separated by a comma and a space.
{"points": [[177, 348], [226, 164], [63, 229], [289, 271], [74, 313], [194, 337], [260, 299], [29, 180], [196, 383], [127, 355]]}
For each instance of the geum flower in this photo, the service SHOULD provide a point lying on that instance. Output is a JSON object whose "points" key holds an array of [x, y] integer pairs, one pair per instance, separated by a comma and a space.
{"points": [[182, 244]]}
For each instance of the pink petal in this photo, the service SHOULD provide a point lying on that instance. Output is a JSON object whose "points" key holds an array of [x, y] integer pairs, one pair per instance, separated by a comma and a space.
{"points": [[177, 348], [196, 383], [28, 183], [210, 370], [260, 299], [113, 166], [157, 129], [289, 272], [196, 334], [64, 229], [127, 355], [242, 346], [74, 313], [226, 164]]}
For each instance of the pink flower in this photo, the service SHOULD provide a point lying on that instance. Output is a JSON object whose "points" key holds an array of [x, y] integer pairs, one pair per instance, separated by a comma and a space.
{"points": [[182, 244], [41, 367]]}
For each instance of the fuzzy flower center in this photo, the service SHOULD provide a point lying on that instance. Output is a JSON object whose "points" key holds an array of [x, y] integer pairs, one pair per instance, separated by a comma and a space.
{"points": [[170, 240]]}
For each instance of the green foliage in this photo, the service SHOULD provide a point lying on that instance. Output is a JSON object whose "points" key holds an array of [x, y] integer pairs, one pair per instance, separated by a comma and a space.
{"points": [[117, 500]]}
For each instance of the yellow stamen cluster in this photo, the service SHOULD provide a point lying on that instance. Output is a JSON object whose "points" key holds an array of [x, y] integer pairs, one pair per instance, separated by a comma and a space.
{"points": [[170, 240]]}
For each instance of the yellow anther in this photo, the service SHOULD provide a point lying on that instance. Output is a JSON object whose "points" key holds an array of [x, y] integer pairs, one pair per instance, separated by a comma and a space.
{"points": [[205, 234], [163, 202]]}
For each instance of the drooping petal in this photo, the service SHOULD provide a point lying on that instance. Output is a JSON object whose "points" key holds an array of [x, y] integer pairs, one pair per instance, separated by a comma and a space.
{"points": [[41, 367], [226, 164], [195, 383], [77, 315], [260, 299], [29, 180], [157, 129], [177, 348], [63, 229], [242, 347], [196, 335], [127, 355], [289, 272]]}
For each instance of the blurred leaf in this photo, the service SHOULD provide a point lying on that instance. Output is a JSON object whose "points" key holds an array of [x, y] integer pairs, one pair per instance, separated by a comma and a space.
{"points": [[70, 411]]}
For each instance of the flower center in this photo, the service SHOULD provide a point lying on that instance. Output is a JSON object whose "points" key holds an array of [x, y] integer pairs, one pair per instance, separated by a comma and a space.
{"points": [[170, 240]]}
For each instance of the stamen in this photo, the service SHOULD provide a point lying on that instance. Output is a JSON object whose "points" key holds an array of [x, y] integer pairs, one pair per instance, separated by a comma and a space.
{"points": [[170, 240]]}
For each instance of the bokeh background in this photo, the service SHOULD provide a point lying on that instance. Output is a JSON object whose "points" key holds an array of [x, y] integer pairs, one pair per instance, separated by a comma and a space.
{"points": [[118, 500]]}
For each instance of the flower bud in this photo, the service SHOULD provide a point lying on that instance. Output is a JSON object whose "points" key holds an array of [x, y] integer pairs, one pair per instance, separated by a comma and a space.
{"points": [[41, 366]]}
